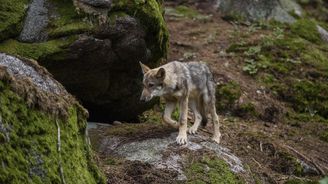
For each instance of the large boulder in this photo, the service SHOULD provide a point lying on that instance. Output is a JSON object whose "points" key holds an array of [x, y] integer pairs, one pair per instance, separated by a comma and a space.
{"points": [[42, 128], [93, 49], [259, 10]]}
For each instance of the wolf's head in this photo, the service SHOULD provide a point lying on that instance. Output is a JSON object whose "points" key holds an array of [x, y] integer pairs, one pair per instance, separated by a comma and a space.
{"points": [[153, 82]]}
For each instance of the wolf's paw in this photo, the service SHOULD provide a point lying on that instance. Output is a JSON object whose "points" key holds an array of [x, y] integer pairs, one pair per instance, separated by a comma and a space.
{"points": [[217, 139], [192, 130], [182, 139]]}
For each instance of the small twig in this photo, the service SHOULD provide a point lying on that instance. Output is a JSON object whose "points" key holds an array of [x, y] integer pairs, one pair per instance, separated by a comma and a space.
{"points": [[261, 148], [321, 171], [257, 162]]}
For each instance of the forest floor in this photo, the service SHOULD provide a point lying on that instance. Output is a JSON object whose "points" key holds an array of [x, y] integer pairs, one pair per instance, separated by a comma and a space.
{"points": [[273, 148]]}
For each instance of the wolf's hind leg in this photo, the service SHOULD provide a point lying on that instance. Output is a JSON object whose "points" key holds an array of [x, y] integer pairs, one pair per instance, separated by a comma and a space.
{"points": [[198, 118], [169, 108]]}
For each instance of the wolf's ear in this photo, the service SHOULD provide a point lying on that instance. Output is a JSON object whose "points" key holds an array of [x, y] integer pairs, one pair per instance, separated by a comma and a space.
{"points": [[160, 73], [144, 68]]}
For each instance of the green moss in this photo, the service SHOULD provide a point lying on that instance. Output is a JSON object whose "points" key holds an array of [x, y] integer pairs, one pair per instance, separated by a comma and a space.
{"points": [[246, 110], [185, 12], [292, 64], [306, 29], [12, 14], [307, 96], [150, 14], [227, 95], [70, 29], [36, 50], [324, 136], [30, 154], [210, 170]]}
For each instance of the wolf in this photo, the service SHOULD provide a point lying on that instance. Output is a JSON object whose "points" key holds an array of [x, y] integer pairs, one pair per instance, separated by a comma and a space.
{"points": [[189, 85]]}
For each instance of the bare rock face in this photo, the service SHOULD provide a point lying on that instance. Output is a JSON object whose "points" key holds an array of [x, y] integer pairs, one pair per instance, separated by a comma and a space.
{"points": [[255, 10], [93, 48]]}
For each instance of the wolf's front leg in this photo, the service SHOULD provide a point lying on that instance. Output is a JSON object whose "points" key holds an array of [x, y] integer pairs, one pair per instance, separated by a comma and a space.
{"points": [[169, 108], [182, 137]]}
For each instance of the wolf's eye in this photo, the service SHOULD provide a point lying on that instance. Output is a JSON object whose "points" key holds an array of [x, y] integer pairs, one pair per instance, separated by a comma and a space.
{"points": [[150, 85]]}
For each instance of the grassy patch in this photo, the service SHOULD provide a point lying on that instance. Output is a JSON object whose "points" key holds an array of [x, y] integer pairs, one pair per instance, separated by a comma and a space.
{"points": [[293, 63], [306, 29], [185, 12], [227, 95], [210, 170]]}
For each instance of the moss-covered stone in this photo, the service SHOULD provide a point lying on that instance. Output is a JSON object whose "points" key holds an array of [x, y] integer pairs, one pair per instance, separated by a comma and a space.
{"points": [[150, 14], [68, 21], [30, 155], [42, 128], [210, 170], [36, 51], [11, 17]]}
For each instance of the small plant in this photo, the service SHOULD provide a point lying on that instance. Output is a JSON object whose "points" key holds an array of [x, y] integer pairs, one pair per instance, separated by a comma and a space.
{"points": [[250, 67]]}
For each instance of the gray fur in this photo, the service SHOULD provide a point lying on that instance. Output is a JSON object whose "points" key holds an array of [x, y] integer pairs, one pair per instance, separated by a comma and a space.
{"points": [[189, 85]]}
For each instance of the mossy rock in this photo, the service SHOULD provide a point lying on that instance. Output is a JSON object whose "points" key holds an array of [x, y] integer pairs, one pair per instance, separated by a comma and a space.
{"points": [[95, 51], [37, 51], [42, 129], [210, 170], [12, 14], [150, 14]]}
